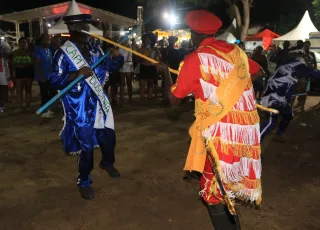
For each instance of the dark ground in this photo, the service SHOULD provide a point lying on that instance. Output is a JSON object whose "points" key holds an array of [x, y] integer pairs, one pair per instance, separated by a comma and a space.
{"points": [[38, 182]]}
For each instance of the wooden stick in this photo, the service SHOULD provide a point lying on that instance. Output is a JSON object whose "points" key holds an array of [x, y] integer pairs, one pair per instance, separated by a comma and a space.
{"points": [[155, 62], [267, 109], [127, 49]]}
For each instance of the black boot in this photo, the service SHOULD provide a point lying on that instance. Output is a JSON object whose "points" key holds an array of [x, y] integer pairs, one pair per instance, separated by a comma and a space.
{"points": [[111, 170], [221, 218], [87, 193]]}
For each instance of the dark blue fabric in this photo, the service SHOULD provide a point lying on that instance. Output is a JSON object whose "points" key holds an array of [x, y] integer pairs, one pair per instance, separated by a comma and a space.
{"points": [[282, 84], [285, 112], [280, 88], [107, 141]]}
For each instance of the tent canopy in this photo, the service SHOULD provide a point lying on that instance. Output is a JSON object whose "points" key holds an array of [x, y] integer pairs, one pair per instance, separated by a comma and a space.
{"points": [[57, 10], [265, 36], [301, 31], [228, 35], [61, 27]]}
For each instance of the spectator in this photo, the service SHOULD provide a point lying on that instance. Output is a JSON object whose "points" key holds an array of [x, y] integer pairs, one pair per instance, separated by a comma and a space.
{"points": [[261, 59], [5, 50], [184, 50], [114, 80], [148, 71], [303, 86], [23, 69], [171, 56], [43, 68], [55, 44], [282, 54], [126, 72]]}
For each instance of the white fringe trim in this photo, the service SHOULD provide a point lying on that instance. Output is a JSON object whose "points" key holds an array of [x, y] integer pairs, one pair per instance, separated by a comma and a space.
{"points": [[209, 91], [234, 133], [237, 171], [246, 102], [215, 65]]}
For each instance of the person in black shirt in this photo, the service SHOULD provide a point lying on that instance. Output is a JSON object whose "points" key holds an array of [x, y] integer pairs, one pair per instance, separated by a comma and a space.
{"points": [[261, 59], [282, 54], [304, 82], [171, 56]]}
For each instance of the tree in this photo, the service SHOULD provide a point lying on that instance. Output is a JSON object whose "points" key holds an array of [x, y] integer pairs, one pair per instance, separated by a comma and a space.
{"points": [[315, 13], [243, 20]]}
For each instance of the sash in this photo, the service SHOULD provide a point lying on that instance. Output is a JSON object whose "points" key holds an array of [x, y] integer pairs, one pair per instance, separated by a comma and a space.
{"points": [[103, 103]]}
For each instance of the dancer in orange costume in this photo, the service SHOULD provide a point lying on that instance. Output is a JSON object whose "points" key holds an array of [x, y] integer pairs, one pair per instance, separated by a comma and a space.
{"points": [[227, 122]]}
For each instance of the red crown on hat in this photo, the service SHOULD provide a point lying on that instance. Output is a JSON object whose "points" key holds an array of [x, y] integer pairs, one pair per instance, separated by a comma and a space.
{"points": [[202, 22]]}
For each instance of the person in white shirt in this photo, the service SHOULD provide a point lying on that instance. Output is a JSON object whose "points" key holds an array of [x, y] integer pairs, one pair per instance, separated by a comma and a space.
{"points": [[5, 50], [126, 72]]}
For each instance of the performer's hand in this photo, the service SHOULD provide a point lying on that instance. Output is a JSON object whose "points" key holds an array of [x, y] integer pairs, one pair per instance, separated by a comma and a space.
{"points": [[86, 71]]}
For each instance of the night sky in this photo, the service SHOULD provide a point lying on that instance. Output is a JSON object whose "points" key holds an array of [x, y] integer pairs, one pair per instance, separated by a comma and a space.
{"points": [[264, 11]]}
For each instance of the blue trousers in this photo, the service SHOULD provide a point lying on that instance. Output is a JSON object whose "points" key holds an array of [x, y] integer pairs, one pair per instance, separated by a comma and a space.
{"points": [[106, 139], [271, 121]]}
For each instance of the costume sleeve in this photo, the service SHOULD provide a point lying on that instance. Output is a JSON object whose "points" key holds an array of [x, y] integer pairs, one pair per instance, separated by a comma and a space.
{"points": [[314, 73], [253, 67], [60, 74], [188, 78], [304, 70]]}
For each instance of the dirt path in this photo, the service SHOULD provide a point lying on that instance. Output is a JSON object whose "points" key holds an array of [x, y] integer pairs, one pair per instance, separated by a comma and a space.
{"points": [[38, 190]]}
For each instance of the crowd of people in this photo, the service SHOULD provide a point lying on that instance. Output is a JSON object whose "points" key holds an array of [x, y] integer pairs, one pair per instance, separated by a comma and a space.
{"points": [[32, 61], [22, 66]]}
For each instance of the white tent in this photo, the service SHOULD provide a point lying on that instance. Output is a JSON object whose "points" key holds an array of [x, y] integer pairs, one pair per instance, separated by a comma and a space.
{"points": [[228, 35], [61, 27], [301, 31]]}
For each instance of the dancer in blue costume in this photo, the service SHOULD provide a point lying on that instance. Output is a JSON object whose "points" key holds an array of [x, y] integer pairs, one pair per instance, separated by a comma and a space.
{"points": [[280, 88], [88, 114]]}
